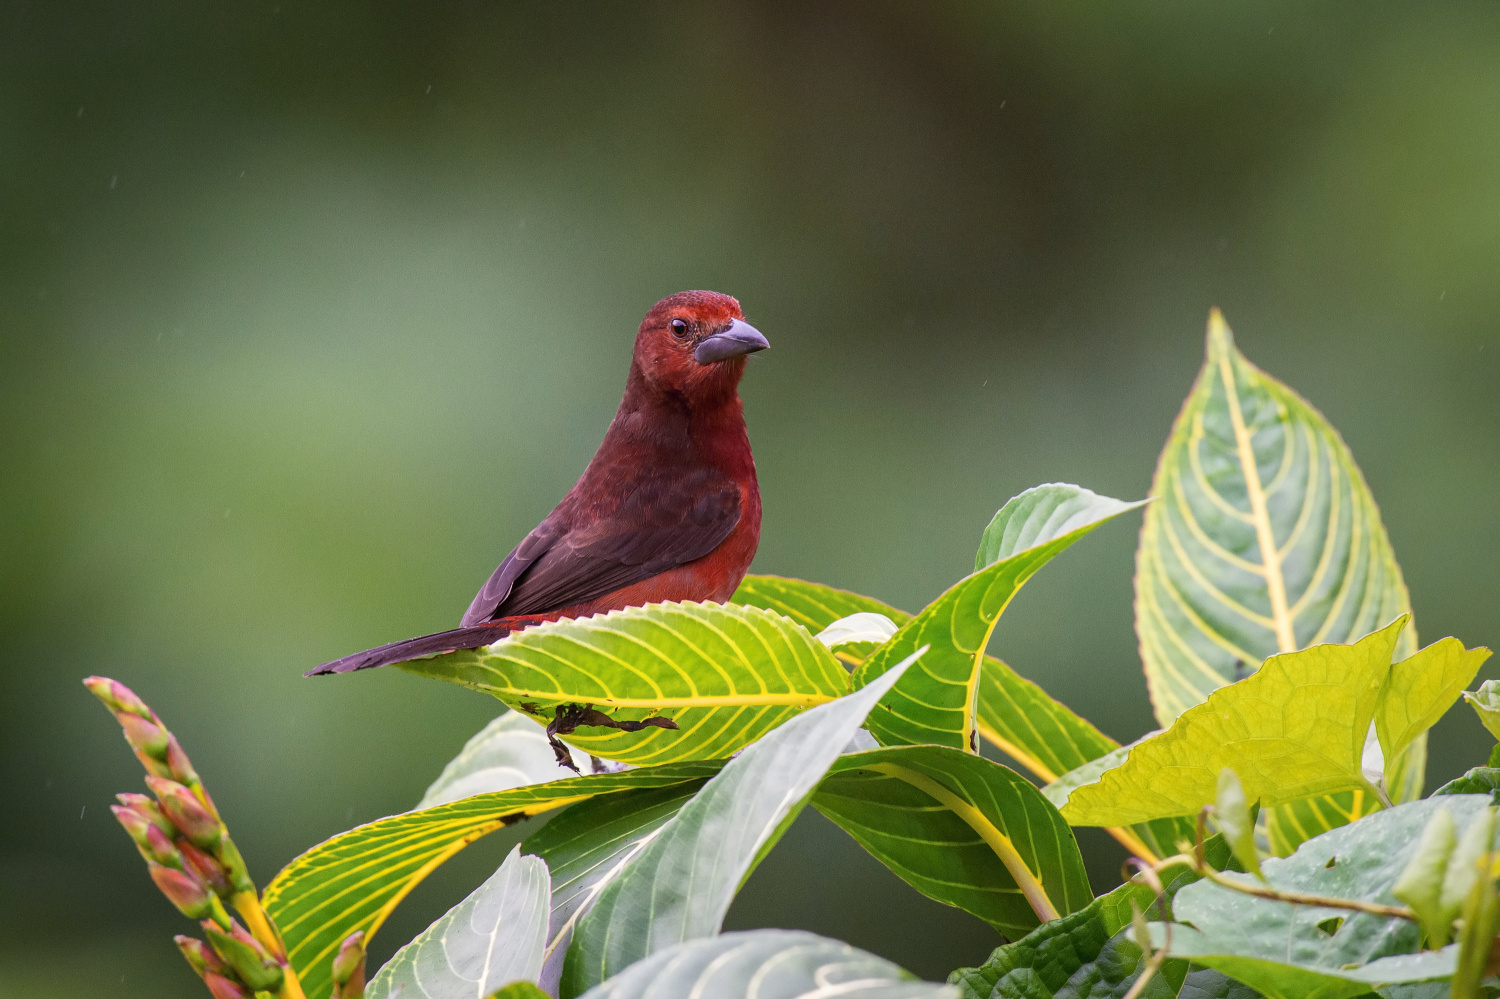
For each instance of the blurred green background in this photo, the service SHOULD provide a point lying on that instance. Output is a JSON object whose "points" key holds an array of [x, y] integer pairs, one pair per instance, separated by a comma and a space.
{"points": [[309, 311]]}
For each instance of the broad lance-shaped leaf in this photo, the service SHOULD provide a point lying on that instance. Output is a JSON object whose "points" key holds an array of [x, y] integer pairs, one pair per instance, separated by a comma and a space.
{"points": [[767, 964], [511, 751], [935, 703], [588, 845], [681, 884], [724, 674], [1015, 715], [354, 880], [1296, 728], [1090, 954], [1265, 540], [1309, 952], [488, 940], [959, 829]]}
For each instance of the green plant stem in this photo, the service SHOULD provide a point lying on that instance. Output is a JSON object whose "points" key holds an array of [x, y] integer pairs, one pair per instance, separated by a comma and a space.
{"points": [[1280, 895]]}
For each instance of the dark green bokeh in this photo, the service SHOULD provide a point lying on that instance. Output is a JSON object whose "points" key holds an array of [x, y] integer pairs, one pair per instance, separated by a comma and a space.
{"points": [[309, 311]]}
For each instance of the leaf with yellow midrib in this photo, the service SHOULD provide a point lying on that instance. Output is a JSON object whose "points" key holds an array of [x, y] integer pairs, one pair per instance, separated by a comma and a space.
{"points": [[725, 674], [1264, 540]]}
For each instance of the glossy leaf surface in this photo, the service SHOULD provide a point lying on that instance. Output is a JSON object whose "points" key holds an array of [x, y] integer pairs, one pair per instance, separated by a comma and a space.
{"points": [[960, 829], [1249, 938], [1088, 955], [681, 884], [725, 674], [354, 880], [935, 703], [588, 845], [490, 939], [1296, 728], [766, 964], [511, 751]]}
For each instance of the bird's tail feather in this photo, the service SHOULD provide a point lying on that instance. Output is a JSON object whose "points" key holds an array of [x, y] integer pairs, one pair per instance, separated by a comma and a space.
{"points": [[415, 648]]}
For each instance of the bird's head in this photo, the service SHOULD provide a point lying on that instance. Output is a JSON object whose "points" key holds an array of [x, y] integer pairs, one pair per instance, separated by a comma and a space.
{"points": [[694, 343]]}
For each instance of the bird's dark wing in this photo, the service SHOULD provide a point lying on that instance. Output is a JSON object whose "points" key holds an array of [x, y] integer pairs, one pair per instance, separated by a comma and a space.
{"points": [[498, 586], [657, 524]]}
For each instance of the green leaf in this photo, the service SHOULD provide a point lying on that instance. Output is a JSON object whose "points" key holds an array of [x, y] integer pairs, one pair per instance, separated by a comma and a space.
{"points": [[960, 829], [1421, 689], [1264, 539], [1486, 704], [1420, 885], [511, 751], [725, 674], [681, 884], [588, 845], [1481, 917], [1278, 979], [354, 880], [493, 937], [1480, 780], [766, 964], [935, 702], [1295, 728], [1040, 514], [1088, 955], [812, 605], [1015, 715], [1256, 940], [1232, 812]]}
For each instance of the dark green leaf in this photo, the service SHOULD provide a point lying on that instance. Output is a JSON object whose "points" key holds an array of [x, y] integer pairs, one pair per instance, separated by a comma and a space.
{"points": [[959, 829], [1480, 780]]}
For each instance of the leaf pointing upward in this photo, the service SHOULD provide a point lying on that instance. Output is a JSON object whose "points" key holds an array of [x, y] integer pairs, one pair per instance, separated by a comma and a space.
{"points": [[936, 701]]}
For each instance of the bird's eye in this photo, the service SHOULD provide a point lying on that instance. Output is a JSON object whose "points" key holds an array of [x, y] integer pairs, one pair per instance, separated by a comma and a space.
{"points": [[679, 329]]}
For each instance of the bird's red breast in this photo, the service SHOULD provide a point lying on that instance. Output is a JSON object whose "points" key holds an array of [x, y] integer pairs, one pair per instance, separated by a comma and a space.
{"points": [[668, 509]]}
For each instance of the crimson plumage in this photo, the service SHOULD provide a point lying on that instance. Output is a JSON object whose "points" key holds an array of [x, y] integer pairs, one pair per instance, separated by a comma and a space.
{"points": [[668, 509]]}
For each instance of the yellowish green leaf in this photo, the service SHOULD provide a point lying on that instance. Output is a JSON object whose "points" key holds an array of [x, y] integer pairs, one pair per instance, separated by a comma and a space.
{"points": [[1294, 729], [724, 674], [1421, 689]]}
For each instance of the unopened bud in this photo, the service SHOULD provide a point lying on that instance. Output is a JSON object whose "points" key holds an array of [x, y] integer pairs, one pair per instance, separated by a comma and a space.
{"points": [[242, 952], [199, 955], [116, 696], [349, 968], [178, 763], [224, 988], [234, 865], [146, 808], [144, 735], [208, 870], [191, 896], [154, 844], [187, 813]]}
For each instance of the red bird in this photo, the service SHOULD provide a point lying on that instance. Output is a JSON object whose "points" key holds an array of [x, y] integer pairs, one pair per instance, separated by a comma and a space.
{"points": [[668, 509]]}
